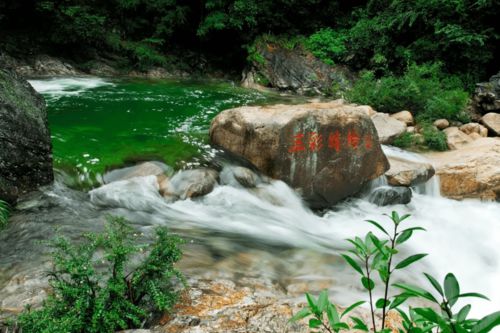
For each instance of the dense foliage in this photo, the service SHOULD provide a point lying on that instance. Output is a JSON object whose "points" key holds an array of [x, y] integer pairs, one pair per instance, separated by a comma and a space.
{"points": [[383, 36], [95, 289], [375, 260]]}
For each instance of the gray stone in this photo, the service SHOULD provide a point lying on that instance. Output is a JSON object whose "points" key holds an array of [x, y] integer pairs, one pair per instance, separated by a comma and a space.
{"points": [[408, 173], [26, 149], [239, 176], [388, 195], [153, 168], [190, 184]]}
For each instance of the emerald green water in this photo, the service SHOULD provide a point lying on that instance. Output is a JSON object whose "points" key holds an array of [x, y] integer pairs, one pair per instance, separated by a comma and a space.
{"points": [[98, 124]]}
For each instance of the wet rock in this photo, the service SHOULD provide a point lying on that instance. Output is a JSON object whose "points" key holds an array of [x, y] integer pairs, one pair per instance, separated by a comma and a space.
{"points": [[326, 151], [299, 71], [471, 171], [389, 195], [388, 128], [152, 168], [239, 176], [474, 128], [26, 149], [191, 184], [492, 122], [135, 194], [404, 172], [455, 138], [404, 116], [441, 123]]}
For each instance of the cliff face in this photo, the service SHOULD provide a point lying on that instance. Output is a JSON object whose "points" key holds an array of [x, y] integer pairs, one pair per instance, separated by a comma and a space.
{"points": [[25, 146]]}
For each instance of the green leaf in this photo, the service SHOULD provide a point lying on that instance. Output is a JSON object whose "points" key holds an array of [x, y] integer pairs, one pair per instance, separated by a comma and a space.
{"points": [[333, 315], [416, 291], [359, 324], [404, 236], [314, 323], [404, 217], [487, 323], [351, 307], [435, 284], [340, 326], [463, 313], [384, 275], [367, 283], [376, 224], [410, 260], [323, 300], [312, 304], [429, 314], [414, 229], [381, 303], [451, 288], [478, 295], [353, 264], [301, 314], [398, 300], [395, 217]]}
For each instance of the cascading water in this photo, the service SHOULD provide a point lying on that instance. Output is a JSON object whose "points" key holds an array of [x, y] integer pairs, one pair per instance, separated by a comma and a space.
{"points": [[272, 223]]}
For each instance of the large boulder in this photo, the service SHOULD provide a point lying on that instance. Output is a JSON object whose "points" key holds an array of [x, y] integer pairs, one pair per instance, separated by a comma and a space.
{"points": [[388, 128], [295, 70], [404, 172], [487, 96], [189, 184], [26, 151], [327, 151], [471, 171], [388, 195]]}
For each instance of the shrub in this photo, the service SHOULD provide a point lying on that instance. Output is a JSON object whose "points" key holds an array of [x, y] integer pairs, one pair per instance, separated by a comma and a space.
{"points": [[405, 140], [95, 291], [328, 45], [4, 213], [434, 138], [371, 257], [422, 89]]}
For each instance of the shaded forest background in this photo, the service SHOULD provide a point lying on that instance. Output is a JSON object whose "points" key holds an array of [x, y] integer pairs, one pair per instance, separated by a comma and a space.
{"points": [[384, 36]]}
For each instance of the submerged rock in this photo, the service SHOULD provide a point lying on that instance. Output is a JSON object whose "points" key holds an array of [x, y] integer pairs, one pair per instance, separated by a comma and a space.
{"points": [[404, 172], [390, 195], [190, 184], [239, 176], [25, 145], [327, 151], [471, 171], [152, 168]]}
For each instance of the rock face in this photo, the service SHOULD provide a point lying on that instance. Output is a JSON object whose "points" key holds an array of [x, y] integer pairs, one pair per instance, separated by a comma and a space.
{"points": [[327, 151], [388, 128], [297, 70], [408, 173], [26, 150], [492, 122], [487, 96], [470, 172], [388, 195]]}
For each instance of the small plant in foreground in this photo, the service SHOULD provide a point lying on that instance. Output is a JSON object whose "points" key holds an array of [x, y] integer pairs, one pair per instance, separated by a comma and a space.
{"points": [[4, 213], [95, 291], [372, 255]]}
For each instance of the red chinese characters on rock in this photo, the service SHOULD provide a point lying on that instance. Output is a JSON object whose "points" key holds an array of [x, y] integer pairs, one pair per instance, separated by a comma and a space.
{"points": [[313, 142]]}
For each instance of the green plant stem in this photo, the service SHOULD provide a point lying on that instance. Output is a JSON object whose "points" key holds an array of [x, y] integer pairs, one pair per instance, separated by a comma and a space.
{"points": [[386, 292], [370, 294], [326, 326], [447, 309]]}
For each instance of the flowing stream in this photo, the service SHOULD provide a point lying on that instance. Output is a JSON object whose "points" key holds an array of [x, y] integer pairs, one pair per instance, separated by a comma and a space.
{"points": [[263, 232]]}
